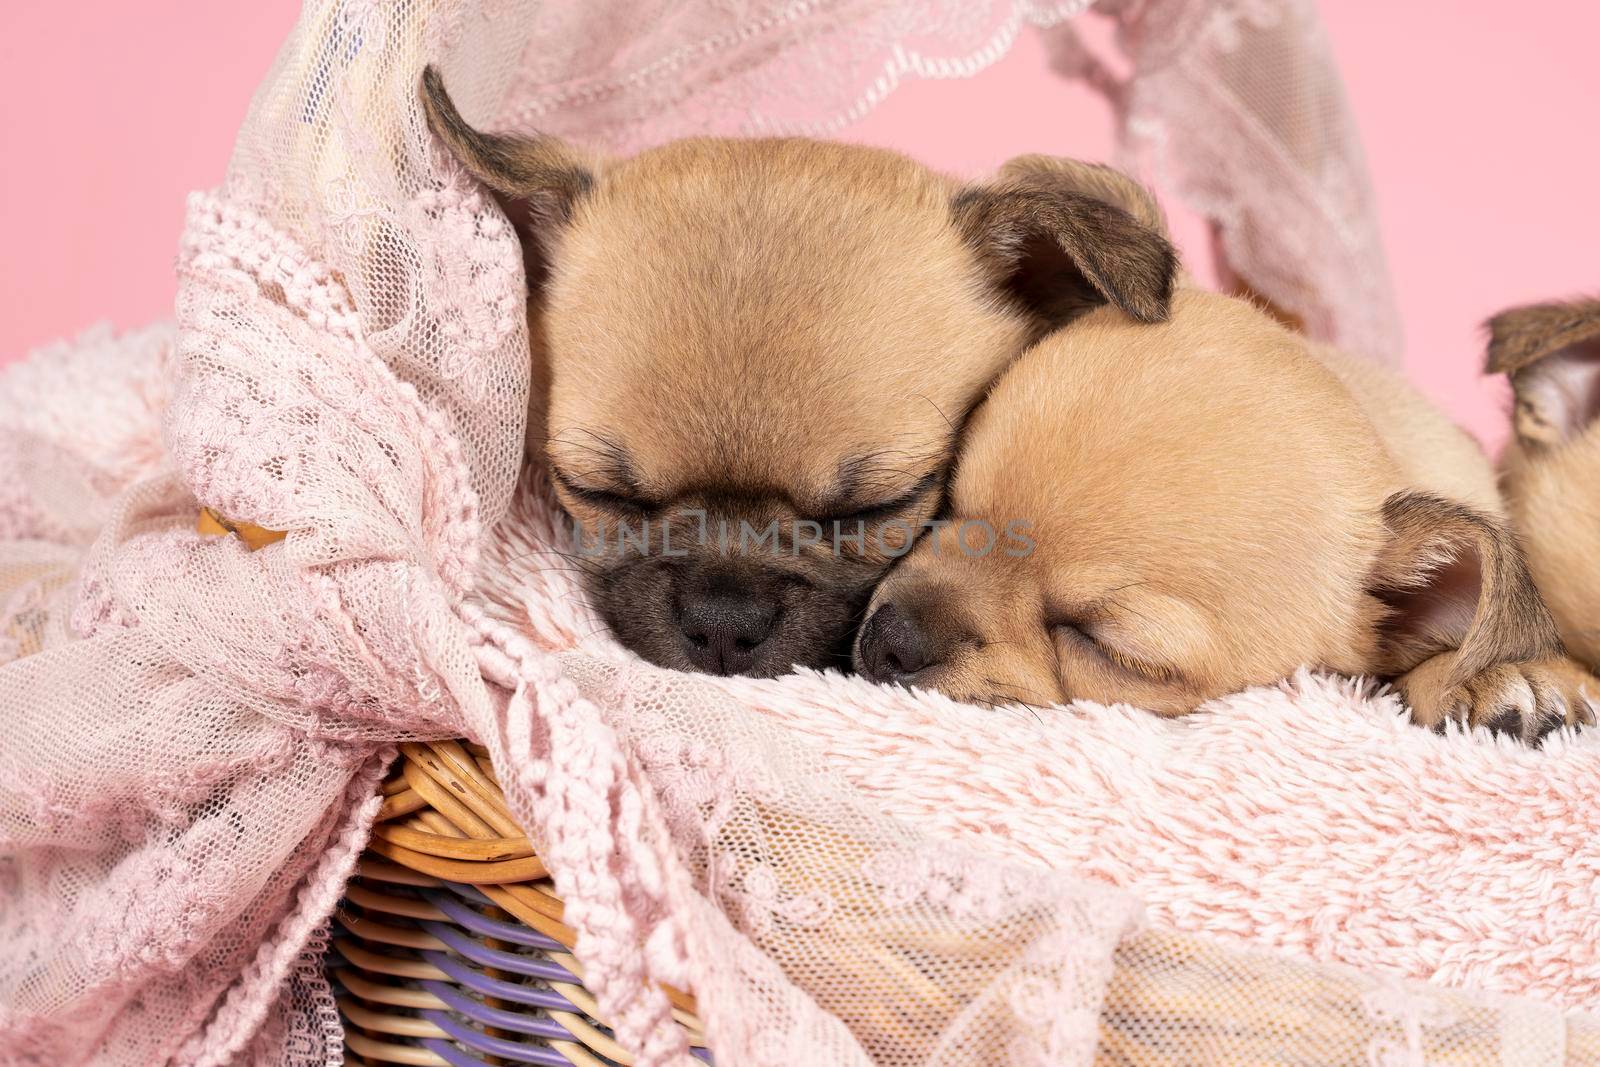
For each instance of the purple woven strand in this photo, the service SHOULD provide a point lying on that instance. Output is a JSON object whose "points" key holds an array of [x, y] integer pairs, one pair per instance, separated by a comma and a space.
{"points": [[482, 984], [455, 1055], [479, 923], [495, 1046], [534, 1025], [484, 956]]}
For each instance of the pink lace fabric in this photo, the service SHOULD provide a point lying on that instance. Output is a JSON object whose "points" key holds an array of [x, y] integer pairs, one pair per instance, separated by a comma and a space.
{"points": [[1237, 107], [195, 732]]}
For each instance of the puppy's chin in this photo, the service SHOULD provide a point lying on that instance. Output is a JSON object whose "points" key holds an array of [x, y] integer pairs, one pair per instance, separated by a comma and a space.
{"points": [[967, 681], [968, 685], [639, 602]]}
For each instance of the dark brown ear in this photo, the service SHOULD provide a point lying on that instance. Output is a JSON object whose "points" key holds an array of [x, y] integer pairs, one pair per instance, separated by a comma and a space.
{"points": [[1062, 237], [1551, 352], [1090, 179], [1452, 577], [540, 172], [537, 181]]}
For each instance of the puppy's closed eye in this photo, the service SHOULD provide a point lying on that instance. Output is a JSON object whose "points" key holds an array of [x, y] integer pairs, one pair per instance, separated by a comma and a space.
{"points": [[622, 500], [881, 510], [1086, 637]]}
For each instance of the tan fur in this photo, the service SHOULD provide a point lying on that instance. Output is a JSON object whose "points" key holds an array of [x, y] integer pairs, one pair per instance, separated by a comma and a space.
{"points": [[766, 377], [776, 331], [1216, 502], [1551, 469]]}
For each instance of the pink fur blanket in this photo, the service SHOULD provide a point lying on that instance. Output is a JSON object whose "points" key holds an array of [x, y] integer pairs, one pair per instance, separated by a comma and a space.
{"points": [[1310, 817]]}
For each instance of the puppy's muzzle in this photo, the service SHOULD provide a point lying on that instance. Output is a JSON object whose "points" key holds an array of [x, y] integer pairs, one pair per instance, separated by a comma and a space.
{"points": [[723, 628], [896, 648]]}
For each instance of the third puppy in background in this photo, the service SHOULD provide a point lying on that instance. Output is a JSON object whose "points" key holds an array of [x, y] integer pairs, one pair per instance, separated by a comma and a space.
{"points": [[1214, 502], [1550, 471]]}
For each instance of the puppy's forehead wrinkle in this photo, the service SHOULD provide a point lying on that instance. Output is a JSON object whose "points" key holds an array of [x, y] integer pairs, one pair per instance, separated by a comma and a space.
{"points": [[679, 438]]}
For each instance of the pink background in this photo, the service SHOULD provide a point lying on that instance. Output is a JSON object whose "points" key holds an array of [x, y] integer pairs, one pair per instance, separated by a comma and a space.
{"points": [[112, 112]]}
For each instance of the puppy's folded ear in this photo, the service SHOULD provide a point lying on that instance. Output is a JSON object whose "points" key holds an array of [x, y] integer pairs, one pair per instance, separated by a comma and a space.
{"points": [[1089, 179], [1061, 237], [1552, 354], [1454, 578], [538, 181], [539, 172]]}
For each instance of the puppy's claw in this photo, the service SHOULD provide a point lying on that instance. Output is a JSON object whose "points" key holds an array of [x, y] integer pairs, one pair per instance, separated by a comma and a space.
{"points": [[1505, 721], [1548, 723]]}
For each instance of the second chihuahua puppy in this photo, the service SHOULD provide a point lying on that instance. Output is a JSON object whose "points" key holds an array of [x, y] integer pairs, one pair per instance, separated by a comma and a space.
{"points": [[1209, 504], [750, 356], [1551, 468]]}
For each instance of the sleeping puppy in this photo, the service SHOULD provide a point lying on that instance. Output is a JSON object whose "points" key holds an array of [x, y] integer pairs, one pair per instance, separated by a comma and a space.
{"points": [[752, 355], [1159, 515], [1551, 468]]}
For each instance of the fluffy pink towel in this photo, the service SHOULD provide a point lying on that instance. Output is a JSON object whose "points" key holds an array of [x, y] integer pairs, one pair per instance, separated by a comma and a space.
{"points": [[1310, 817]]}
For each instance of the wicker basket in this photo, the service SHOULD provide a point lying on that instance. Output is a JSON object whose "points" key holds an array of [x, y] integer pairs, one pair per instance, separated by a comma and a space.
{"points": [[449, 947], [450, 950]]}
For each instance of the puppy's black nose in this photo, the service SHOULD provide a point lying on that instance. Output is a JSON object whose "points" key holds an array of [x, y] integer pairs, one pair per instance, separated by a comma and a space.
{"points": [[723, 628], [894, 648]]}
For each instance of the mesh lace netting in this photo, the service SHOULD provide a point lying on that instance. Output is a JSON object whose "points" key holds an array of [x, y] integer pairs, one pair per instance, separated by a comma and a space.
{"points": [[194, 731]]}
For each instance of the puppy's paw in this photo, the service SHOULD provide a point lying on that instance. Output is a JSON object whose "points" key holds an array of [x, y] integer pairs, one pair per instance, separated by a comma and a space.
{"points": [[1526, 700]]}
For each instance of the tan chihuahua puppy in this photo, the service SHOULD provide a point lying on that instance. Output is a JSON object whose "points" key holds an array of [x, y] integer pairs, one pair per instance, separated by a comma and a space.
{"points": [[1164, 514], [1551, 468], [752, 355]]}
